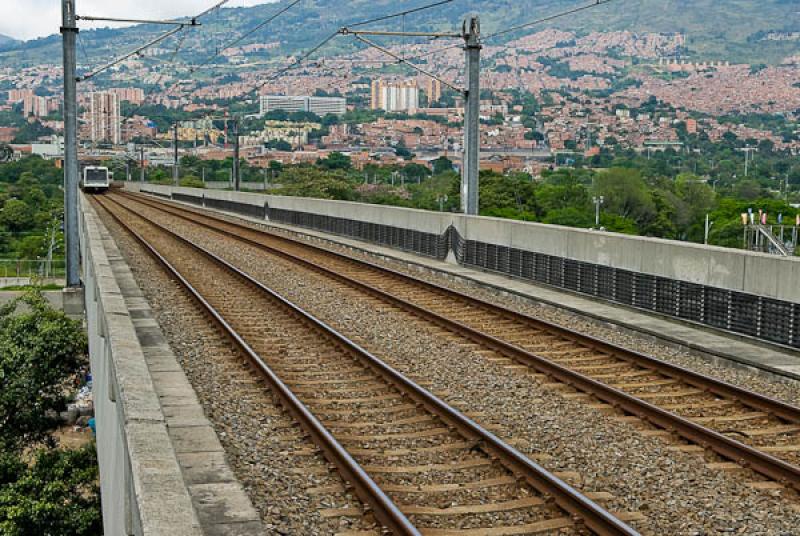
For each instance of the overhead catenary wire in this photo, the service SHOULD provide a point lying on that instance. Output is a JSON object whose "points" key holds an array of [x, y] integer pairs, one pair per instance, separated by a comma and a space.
{"points": [[548, 18], [399, 14], [150, 91], [244, 36], [297, 62], [514, 28], [180, 26], [400, 59]]}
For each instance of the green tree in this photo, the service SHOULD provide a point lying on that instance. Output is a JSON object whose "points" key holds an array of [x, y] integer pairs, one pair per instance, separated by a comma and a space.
{"points": [[39, 349], [55, 494], [306, 181], [507, 196], [16, 215], [278, 145], [626, 194], [442, 165], [336, 160]]}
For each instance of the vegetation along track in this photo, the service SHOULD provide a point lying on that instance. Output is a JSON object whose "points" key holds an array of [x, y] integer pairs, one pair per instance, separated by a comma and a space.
{"points": [[739, 425], [420, 465]]}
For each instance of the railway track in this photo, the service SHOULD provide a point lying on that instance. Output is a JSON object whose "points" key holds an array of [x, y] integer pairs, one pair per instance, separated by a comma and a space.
{"points": [[741, 426], [421, 466]]}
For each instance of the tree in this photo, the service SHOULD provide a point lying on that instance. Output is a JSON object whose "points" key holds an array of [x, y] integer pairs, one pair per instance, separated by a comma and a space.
{"points": [[39, 349], [16, 215], [55, 494], [278, 145], [512, 196], [307, 181], [625, 193], [336, 160], [416, 171], [442, 165], [748, 190]]}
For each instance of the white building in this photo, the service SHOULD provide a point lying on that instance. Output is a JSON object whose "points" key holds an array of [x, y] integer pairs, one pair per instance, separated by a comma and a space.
{"points": [[318, 105], [395, 96]]}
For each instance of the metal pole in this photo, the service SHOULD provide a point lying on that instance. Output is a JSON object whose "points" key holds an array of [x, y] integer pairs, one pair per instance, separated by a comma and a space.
{"points": [[236, 177], [469, 174], [175, 165], [141, 164], [69, 32], [708, 228]]}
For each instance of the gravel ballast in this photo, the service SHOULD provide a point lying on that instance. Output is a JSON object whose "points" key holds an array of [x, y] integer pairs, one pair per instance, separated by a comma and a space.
{"points": [[676, 491], [285, 476]]}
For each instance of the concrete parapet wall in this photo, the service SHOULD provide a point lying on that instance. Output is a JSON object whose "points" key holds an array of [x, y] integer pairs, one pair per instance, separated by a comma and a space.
{"points": [[143, 491], [742, 271]]}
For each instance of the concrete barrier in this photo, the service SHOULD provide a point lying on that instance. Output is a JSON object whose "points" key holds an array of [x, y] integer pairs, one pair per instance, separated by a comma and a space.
{"points": [[747, 292], [143, 492]]}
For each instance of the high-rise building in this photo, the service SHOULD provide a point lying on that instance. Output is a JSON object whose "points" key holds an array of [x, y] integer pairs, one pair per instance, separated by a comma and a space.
{"points": [[134, 95], [33, 105], [318, 105], [433, 90], [395, 96], [104, 117], [16, 95]]}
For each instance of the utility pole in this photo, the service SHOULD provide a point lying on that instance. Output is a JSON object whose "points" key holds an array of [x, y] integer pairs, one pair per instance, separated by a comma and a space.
{"points": [[141, 164], [175, 164], [69, 32], [597, 202], [748, 156], [236, 178], [707, 229], [471, 30]]}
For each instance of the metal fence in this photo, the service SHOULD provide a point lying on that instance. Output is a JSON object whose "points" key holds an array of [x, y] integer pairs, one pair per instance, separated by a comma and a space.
{"points": [[35, 268]]}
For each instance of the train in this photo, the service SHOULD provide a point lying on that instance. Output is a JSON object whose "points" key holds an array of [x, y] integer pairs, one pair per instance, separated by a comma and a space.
{"points": [[96, 179]]}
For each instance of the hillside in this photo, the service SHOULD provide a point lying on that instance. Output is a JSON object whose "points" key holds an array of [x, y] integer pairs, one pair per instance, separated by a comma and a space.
{"points": [[736, 30], [8, 42]]}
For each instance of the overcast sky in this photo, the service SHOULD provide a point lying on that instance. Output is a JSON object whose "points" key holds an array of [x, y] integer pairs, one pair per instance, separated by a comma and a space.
{"points": [[28, 19]]}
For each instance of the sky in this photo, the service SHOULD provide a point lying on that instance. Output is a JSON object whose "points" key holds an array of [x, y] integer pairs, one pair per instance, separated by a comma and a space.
{"points": [[29, 19]]}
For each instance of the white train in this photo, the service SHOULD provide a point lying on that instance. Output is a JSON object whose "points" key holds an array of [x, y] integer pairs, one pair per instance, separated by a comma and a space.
{"points": [[96, 178]]}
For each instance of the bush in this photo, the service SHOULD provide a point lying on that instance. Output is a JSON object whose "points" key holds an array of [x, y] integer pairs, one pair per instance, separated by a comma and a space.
{"points": [[40, 348], [55, 494]]}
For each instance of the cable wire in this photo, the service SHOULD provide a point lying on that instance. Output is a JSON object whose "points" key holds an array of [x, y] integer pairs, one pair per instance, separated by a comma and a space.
{"points": [[296, 63], [244, 36], [399, 14], [548, 18], [150, 91]]}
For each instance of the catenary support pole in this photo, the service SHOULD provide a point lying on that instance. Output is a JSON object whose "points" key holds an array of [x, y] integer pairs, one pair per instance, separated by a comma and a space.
{"points": [[175, 173], [141, 164], [236, 178], [69, 32], [469, 173]]}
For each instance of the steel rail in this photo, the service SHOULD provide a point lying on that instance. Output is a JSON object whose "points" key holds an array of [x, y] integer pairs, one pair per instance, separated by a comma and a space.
{"points": [[759, 461], [367, 490], [568, 498], [713, 385]]}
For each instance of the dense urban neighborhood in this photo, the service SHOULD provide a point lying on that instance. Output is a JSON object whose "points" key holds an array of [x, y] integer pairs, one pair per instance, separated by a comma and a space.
{"points": [[368, 267]]}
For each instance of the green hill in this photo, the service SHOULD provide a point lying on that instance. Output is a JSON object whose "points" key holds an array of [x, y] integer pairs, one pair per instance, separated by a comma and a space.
{"points": [[736, 30], [7, 42]]}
